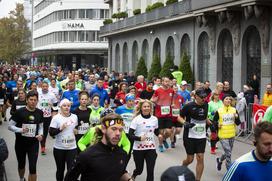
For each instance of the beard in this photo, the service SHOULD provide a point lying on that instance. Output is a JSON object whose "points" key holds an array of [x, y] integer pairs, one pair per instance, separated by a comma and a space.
{"points": [[108, 140]]}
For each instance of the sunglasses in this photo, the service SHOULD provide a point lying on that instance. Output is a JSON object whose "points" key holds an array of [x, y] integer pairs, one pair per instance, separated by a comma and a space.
{"points": [[112, 122]]}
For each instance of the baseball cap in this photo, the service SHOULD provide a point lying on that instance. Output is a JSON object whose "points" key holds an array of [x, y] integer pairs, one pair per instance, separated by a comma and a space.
{"points": [[178, 173], [183, 82], [201, 93], [130, 97]]}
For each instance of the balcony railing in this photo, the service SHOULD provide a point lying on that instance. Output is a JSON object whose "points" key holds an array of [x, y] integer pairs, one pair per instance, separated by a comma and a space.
{"points": [[166, 12], [199, 4]]}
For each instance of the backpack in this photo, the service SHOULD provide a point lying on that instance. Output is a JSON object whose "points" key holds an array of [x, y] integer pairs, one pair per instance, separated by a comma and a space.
{"points": [[3, 150]]}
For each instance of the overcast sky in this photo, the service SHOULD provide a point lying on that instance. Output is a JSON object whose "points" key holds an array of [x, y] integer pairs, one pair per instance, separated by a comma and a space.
{"points": [[7, 5]]}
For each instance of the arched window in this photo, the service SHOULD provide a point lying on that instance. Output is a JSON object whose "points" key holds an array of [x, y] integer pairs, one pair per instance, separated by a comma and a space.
{"points": [[125, 58], [252, 48], [134, 55], [203, 57], [185, 45], [157, 48], [145, 51], [225, 56], [117, 57], [170, 47]]}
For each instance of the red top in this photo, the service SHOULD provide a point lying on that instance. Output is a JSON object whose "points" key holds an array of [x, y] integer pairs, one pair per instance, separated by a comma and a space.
{"points": [[140, 87], [164, 102], [121, 96]]}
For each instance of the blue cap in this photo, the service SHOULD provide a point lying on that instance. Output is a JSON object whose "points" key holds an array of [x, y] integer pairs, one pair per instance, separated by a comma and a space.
{"points": [[130, 97]]}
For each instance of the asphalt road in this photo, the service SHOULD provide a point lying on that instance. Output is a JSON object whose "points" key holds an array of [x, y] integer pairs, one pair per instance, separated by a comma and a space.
{"points": [[46, 165]]}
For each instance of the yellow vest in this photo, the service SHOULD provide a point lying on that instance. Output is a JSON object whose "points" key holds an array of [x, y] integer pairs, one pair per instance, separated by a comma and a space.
{"points": [[227, 120]]}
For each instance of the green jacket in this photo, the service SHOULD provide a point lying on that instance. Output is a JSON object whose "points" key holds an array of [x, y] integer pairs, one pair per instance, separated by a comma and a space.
{"points": [[268, 115], [213, 107], [89, 139]]}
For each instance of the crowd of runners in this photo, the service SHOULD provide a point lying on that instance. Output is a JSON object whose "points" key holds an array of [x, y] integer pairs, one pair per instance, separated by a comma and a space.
{"points": [[100, 119]]}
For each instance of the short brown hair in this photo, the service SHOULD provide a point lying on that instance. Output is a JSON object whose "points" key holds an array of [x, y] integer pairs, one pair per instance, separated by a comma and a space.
{"points": [[262, 127]]}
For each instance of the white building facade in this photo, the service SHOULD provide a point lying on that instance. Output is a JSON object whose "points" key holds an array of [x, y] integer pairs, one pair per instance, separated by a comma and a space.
{"points": [[66, 32]]}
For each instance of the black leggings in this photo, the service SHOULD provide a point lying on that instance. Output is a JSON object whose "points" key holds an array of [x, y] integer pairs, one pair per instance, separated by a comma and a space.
{"points": [[62, 157], [31, 149], [46, 125], [150, 157]]}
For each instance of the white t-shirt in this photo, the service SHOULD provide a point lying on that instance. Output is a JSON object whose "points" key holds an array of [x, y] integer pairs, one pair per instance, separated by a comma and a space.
{"points": [[55, 91], [46, 102], [65, 140], [145, 127]]}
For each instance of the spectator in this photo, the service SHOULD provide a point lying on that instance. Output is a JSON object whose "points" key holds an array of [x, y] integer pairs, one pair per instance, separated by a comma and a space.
{"points": [[267, 98]]}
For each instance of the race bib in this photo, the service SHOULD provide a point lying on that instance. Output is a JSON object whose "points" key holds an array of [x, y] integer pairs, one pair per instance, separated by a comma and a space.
{"points": [[1, 101], [83, 128], [94, 120], [199, 130], [46, 108], [127, 117], [31, 130], [18, 107], [228, 119], [165, 110], [68, 141], [175, 112]]}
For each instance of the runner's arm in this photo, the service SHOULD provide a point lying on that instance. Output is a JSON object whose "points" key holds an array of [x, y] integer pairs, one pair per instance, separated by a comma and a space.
{"points": [[124, 142], [132, 135], [12, 127], [85, 140]]}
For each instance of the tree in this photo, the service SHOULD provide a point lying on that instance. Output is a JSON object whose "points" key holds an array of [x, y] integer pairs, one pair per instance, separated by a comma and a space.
{"points": [[155, 67], [141, 68], [185, 68], [168, 64], [14, 35]]}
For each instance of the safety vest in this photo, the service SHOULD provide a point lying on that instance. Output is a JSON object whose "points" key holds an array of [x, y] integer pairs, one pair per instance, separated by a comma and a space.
{"points": [[227, 120], [95, 115]]}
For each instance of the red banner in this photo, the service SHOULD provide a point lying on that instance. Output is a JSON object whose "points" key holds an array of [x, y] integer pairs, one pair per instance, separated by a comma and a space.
{"points": [[258, 113]]}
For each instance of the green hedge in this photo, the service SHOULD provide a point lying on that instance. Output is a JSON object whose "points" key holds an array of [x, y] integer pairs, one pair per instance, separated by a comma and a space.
{"points": [[171, 2], [154, 6], [155, 67], [120, 15], [141, 68], [167, 66], [137, 11], [186, 69], [107, 21]]}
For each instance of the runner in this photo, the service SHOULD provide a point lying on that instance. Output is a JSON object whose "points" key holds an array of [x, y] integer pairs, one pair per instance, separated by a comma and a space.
{"points": [[104, 161], [96, 110], [27, 123], [177, 105], [257, 164], [225, 120], [83, 114], [47, 103], [194, 116], [163, 99], [142, 130], [214, 104], [18, 103], [62, 128], [71, 94]]}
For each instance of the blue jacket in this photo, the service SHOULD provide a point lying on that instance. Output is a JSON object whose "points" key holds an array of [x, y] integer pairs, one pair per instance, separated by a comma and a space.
{"points": [[73, 97], [103, 94]]}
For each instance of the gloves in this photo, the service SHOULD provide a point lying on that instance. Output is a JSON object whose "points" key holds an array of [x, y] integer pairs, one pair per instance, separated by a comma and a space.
{"points": [[188, 125], [212, 113]]}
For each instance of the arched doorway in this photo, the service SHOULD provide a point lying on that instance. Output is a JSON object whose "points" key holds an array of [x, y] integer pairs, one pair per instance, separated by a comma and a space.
{"points": [[185, 45], [134, 55], [170, 47], [145, 47], [157, 48], [225, 57], [125, 58], [203, 57], [252, 53], [117, 57]]}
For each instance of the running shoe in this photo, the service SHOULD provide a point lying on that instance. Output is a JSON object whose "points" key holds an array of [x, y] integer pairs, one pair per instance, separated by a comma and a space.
{"points": [[43, 151], [173, 145], [218, 164], [165, 144], [161, 149]]}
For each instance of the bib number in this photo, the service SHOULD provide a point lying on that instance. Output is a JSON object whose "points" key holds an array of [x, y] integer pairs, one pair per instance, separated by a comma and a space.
{"points": [[31, 130], [175, 112], [228, 119], [1, 101], [199, 130], [165, 110], [83, 128], [68, 141]]}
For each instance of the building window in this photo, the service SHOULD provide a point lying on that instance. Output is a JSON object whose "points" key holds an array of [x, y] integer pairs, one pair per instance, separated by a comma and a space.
{"points": [[81, 14], [72, 36], [73, 14], [89, 14], [90, 36], [203, 57]]}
